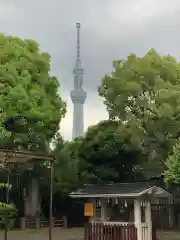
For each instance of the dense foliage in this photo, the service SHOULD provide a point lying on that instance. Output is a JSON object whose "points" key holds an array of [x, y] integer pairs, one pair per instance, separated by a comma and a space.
{"points": [[106, 156], [172, 173], [145, 92], [6, 210], [27, 89], [67, 165], [30, 104], [102, 155]]}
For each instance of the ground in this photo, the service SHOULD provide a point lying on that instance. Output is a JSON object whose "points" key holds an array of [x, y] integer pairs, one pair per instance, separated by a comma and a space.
{"points": [[58, 234], [168, 235], [69, 234]]}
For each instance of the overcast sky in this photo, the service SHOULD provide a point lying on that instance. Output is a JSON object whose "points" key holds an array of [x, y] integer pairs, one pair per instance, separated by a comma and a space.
{"points": [[110, 29]]}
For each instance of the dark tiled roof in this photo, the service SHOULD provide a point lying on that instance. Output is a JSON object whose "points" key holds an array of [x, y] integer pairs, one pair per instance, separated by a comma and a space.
{"points": [[118, 188]]}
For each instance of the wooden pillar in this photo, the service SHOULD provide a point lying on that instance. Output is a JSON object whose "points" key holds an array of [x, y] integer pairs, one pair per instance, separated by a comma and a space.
{"points": [[137, 218], [92, 219], [171, 212], [148, 219], [23, 223], [104, 210], [38, 225], [65, 221]]}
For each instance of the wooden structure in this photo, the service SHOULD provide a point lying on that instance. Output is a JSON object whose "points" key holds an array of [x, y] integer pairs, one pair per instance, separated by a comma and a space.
{"points": [[98, 231], [37, 223], [119, 206], [9, 158]]}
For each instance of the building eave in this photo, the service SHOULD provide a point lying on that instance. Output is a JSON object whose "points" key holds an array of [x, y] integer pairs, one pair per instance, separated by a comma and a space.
{"points": [[103, 195], [152, 191]]}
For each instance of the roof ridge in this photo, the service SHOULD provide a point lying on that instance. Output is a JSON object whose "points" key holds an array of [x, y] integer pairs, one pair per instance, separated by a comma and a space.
{"points": [[121, 183]]}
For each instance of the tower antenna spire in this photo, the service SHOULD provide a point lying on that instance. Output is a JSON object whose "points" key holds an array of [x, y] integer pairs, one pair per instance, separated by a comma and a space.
{"points": [[78, 26]]}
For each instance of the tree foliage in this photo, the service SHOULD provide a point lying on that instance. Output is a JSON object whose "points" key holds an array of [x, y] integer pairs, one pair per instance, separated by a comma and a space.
{"points": [[7, 210], [27, 89], [172, 173], [104, 156], [66, 165], [145, 92]]}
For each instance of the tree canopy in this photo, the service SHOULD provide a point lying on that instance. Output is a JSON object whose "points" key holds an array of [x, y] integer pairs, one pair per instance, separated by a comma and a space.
{"points": [[7, 210], [66, 165], [144, 92], [28, 90], [104, 156], [172, 172]]}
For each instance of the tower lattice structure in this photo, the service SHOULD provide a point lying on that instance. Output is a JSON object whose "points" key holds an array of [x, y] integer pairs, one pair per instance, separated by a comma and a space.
{"points": [[78, 95]]}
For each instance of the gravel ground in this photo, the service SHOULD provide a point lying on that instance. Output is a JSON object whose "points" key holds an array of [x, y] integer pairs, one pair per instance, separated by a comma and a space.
{"points": [[58, 234], [70, 234], [168, 235]]}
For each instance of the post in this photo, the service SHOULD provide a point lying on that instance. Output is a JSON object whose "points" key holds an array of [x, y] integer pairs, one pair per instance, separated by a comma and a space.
{"points": [[137, 218], [149, 219], [93, 218], [65, 221], [104, 214], [51, 200], [6, 216]]}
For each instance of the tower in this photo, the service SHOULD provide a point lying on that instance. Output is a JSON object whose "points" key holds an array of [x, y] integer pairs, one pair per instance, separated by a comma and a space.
{"points": [[78, 95]]}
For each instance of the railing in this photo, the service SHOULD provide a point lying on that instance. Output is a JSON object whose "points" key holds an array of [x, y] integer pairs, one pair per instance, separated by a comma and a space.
{"points": [[100, 231], [28, 222], [144, 229]]}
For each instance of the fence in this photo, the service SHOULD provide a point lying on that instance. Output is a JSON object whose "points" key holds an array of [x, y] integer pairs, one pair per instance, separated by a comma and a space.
{"points": [[42, 223], [99, 231], [166, 216]]}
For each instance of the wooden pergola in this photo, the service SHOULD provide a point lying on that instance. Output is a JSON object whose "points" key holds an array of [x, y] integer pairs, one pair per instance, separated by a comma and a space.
{"points": [[10, 157]]}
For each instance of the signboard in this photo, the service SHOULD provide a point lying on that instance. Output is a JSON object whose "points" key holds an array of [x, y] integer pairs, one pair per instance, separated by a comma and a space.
{"points": [[88, 209]]}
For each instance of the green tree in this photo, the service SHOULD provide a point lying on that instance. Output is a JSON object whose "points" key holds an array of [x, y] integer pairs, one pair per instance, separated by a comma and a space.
{"points": [[66, 165], [27, 89], [172, 172], [105, 156], [144, 93], [7, 211]]}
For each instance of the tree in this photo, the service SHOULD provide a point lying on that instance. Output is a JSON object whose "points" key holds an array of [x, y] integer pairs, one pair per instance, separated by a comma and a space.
{"points": [[172, 172], [105, 156], [144, 92], [7, 211], [66, 165], [30, 103], [28, 92]]}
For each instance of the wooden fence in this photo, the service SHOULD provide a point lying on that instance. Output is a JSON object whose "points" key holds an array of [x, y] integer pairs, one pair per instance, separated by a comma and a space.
{"points": [[166, 216], [42, 223], [99, 231]]}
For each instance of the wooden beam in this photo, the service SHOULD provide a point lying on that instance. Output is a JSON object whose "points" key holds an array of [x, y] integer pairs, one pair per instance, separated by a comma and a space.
{"points": [[22, 156]]}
